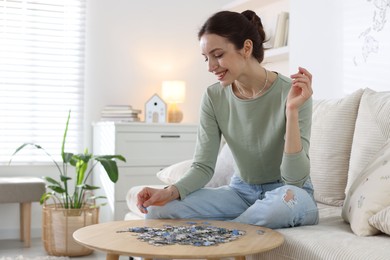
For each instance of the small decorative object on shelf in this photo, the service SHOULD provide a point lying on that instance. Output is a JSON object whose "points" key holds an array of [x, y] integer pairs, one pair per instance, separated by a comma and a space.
{"points": [[122, 113], [155, 110]]}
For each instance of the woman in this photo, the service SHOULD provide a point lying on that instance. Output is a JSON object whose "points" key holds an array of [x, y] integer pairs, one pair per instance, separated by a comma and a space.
{"points": [[264, 117]]}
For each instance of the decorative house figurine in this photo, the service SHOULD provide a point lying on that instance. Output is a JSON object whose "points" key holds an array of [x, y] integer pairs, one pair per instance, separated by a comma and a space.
{"points": [[155, 110]]}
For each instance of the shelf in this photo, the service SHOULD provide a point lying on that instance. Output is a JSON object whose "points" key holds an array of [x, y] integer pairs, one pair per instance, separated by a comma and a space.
{"points": [[276, 55], [271, 9]]}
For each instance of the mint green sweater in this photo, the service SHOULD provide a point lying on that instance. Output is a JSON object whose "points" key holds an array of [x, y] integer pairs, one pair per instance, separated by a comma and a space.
{"points": [[254, 130]]}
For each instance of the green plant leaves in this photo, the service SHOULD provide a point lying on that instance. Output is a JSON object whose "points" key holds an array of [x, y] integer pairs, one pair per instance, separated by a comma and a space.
{"points": [[90, 187], [51, 180], [67, 157], [111, 168], [59, 189], [110, 165], [64, 139]]}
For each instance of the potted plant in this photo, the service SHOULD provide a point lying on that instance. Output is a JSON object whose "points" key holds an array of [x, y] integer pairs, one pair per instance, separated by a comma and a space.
{"points": [[74, 205]]}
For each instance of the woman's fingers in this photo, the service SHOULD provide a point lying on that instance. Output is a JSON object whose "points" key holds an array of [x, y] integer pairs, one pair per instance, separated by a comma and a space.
{"points": [[302, 80], [305, 72]]}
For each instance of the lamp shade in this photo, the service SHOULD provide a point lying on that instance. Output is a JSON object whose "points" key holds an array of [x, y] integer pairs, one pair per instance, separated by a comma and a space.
{"points": [[173, 91]]}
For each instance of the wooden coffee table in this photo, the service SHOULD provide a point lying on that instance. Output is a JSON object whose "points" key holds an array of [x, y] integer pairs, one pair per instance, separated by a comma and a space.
{"points": [[105, 237]]}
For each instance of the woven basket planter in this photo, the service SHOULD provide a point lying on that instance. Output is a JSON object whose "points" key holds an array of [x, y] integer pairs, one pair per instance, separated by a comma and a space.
{"points": [[58, 225]]}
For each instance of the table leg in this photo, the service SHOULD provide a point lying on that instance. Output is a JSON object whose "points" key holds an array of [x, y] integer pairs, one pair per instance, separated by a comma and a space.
{"points": [[112, 256]]}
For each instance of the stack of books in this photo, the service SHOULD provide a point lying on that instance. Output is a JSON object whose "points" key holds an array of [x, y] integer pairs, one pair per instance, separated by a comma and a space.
{"points": [[120, 113]]}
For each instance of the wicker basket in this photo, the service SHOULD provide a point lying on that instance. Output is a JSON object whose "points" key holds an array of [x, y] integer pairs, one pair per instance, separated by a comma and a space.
{"points": [[58, 225]]}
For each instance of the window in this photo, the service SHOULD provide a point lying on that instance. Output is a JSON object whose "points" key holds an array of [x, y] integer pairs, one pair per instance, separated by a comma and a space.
{"points": [[41, 76]]}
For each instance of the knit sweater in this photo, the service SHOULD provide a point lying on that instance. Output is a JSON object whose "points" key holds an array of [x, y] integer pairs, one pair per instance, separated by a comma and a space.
{"points": [[254, 130]]}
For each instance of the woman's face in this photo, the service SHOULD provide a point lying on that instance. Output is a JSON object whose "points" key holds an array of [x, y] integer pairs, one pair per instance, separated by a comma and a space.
{"points": [[222, 58]]}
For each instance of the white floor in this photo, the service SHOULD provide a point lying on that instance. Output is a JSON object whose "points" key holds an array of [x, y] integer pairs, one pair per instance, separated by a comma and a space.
{"points": [[14, 248]]}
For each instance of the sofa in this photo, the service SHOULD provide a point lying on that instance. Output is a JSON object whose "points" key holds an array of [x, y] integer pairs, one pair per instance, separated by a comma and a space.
{"points": [[350, 171]]}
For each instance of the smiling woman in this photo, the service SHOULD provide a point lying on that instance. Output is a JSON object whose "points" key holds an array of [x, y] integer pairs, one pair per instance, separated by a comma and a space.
{"points": [[265, 119], [42, 64]]}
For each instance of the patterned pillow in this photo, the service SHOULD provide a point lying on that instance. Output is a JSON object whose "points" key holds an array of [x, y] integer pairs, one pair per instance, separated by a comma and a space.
{"points": [[381, 220], [369, 194], [371, 131], [330, 146]]}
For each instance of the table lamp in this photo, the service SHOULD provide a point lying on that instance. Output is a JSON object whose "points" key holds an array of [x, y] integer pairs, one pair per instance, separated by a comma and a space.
{"points": [[173, 92]]}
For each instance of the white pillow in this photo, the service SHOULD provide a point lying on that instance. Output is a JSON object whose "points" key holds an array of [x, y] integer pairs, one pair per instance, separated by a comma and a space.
{"points": [[223, 170], [369, 194], [381, 220], [371, 131], [330, 146], [131, 198], [171, 174]]}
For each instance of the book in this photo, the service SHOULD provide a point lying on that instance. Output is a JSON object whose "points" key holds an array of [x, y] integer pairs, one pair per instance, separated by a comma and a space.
{"points": [[281, 30], [120, 113], [120, 119]]}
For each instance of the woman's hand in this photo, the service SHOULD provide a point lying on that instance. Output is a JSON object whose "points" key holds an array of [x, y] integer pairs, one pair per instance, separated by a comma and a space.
{"points": [[300, 90], [156, 197]]}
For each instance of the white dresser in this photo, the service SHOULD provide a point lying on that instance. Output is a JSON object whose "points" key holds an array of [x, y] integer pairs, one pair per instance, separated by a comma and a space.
{"points": [[147, 148]]}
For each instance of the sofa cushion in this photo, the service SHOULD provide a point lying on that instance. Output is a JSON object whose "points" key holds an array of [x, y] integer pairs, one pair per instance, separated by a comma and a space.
{"points": [[223, 170], [330, 145], [174, 172], [131, 201], [381, 220], [371, 131], [332, 238], [369, 194]]}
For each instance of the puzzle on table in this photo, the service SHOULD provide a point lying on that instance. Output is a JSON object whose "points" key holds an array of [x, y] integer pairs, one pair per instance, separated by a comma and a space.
{"points": [[195, 234]]}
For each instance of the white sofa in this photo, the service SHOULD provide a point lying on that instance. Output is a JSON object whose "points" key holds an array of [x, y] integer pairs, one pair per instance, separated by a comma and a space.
{"points": [[349, 152]]}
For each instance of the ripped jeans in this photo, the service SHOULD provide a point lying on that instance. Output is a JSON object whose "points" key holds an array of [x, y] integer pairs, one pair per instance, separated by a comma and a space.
{"points": [[273, 205]]}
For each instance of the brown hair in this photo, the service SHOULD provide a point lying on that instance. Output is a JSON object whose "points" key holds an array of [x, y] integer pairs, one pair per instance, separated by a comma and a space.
{"points": [[237, 28]]}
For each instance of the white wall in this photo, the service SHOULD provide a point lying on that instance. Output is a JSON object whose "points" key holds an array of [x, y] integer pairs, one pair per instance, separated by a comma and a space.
{"points": [[132, 46], [328, 38], [316, 43]]}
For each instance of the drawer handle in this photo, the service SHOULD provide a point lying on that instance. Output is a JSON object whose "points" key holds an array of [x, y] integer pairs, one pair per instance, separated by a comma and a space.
{"points": [[170, 136]]}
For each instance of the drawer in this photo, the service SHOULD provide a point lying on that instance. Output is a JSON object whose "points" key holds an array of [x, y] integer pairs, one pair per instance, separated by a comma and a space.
{"points": [[135, 176], [154, 149]]}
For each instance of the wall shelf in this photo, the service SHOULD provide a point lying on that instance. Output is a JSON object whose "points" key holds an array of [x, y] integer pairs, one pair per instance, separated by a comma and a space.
{"points": [[276, 55], [276, 59]]}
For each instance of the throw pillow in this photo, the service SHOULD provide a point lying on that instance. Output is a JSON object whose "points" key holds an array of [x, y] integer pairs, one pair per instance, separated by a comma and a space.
{"points": [[222, 173], [381, 220], [330, 146], [369, 194], [171, 174], [371, 131]]}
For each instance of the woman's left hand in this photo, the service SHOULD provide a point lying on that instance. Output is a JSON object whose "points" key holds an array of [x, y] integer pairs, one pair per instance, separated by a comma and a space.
{"points": [[300, 90]]}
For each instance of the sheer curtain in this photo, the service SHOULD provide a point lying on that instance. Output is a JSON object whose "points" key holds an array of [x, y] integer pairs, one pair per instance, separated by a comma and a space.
{"points": [[41, 76]]}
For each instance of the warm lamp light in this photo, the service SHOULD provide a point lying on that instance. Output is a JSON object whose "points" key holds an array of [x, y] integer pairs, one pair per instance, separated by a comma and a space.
{"points": [[173, 92]]}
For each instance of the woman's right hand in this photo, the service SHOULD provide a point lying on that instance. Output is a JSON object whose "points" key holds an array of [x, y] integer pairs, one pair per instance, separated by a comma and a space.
{"points": [[156, 197]]}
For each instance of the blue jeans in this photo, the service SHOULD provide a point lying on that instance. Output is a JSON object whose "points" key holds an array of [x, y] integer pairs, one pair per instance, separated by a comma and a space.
{"points": [[273, 205]]}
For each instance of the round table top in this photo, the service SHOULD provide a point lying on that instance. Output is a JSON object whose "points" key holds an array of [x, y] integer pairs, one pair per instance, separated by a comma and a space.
{"points": [[108, 237]]}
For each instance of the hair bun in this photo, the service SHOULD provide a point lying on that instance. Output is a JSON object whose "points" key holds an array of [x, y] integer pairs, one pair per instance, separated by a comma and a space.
{"points": [[253, 18]]}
